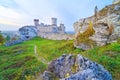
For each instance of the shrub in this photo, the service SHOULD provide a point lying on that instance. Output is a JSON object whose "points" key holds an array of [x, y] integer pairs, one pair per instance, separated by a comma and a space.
{"points": [[7, 38], [1, 39], [90, 31], [84, 37]]}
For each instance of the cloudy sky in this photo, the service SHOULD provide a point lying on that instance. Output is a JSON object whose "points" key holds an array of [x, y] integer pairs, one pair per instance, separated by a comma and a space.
{"points": [[17, 13]]}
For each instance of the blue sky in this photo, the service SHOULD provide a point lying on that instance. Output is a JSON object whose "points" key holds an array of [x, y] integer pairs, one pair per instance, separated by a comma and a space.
{"points": [[17, 13]]}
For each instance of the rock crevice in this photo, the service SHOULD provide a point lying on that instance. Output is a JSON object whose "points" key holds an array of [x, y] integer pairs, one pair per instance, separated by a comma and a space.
{"points": [[70, 67]]}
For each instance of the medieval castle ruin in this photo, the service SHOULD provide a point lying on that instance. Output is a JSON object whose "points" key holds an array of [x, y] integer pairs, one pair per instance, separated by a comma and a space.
{"points": [[52, 31], [52, 28]]}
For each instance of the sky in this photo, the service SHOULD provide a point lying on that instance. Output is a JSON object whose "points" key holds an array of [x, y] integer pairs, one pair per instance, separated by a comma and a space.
{"points": [[17, 13]]}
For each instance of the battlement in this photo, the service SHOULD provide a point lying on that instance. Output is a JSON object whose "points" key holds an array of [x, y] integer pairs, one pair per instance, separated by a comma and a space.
{"points": [[49, 28], [36, 22], [53, 22]]}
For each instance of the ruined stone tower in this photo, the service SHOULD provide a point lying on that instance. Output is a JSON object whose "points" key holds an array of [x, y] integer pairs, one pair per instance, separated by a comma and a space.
{"points": [[54, 21], [49, 28], [36, 22]]}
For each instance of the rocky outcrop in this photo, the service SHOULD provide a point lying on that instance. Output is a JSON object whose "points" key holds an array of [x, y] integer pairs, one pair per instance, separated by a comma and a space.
{"points": [[70, 67], [28, 32], [106, 24], [115, 1], [84, 46], [10, 43]]}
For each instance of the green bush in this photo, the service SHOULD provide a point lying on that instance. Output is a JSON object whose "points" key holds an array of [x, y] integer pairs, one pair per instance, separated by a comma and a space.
{"points": [[1, 39]]}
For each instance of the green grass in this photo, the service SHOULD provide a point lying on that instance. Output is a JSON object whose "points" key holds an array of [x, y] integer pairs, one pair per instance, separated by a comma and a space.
{"points": [[19, 61], [108, 56]]}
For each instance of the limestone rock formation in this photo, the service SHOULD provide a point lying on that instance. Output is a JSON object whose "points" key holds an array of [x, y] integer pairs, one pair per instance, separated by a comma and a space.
{"points": [[25, 33], [28, 32], [84, 46], [106, 24], [10, 43], [70, 67], [116, 1]]}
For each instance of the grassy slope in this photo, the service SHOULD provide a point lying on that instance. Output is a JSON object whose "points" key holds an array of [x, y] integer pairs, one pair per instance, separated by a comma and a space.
{"points": [[19, 62]]}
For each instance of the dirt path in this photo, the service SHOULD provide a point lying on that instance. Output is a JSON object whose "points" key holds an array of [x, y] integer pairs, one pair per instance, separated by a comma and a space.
{"points": [[39, 77], [37, 56]]}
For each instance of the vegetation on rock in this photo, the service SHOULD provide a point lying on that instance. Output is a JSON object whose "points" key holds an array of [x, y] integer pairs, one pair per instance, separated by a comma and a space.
{"points": [[84, 37]]}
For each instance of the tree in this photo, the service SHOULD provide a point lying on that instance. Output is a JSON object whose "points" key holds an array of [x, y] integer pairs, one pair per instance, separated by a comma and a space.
{"points": [[1, 39], [8, 38]]}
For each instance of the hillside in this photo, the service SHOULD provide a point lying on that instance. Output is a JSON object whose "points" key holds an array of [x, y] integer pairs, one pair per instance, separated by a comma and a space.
{"points": [[29, 59]]}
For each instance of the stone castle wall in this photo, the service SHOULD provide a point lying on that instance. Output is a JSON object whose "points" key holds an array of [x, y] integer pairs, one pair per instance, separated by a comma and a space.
{"points": [[52, 31], [52, 28], [55, 36], [45, 29]]}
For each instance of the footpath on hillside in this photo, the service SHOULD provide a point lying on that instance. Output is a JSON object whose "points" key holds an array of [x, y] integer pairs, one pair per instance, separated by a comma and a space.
{"points": [[39, 77], [37, 56]]}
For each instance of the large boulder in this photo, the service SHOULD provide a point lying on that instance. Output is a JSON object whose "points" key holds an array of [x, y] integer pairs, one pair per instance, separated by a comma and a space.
{"points": [[70, 67], [28, 32], [84, 46]]}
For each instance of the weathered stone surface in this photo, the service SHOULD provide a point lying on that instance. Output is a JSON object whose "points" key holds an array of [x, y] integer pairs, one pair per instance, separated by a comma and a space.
{"points": [[56, 36], [28, 32], [49, 28], [48, 76], [69, 67], [10, 43], [62, 65], [84, 46], [106, 25], [116, 1]]}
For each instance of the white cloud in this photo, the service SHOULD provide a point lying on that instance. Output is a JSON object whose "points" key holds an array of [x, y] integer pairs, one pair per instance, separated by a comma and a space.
{"points": [[22, 12], [12, 17], [42, 9]]}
